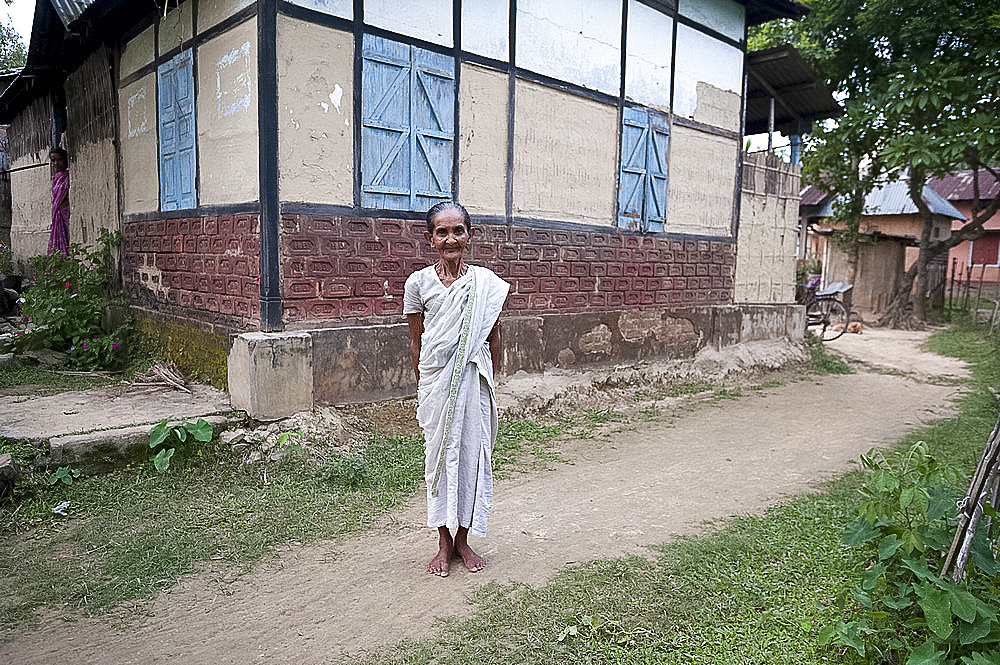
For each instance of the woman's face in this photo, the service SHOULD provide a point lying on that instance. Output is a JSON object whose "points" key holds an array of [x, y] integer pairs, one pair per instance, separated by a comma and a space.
{"points": [[450, 237], [58, 161]]}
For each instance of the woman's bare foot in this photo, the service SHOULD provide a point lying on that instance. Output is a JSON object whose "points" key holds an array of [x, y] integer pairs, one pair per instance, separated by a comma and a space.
{"points": [[472, 561], [441, 563]]}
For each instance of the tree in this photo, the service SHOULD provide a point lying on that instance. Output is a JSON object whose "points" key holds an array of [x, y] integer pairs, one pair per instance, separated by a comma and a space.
{"points": [[12, 50], [921, 84]]}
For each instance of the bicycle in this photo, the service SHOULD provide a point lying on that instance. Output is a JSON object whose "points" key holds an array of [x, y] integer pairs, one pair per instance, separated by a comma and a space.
{"points": [[826, 314]]}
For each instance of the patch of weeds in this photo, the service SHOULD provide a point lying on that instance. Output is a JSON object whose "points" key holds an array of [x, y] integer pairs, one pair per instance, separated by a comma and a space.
{"points": [[602, 416], [823, 362], [722, 393], [650, 413], [688, 389], [348, 469], [765, 385], [518, 438]]}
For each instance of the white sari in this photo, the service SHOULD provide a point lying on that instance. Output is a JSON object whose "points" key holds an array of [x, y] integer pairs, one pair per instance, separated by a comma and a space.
{"points": [[457, 401]]}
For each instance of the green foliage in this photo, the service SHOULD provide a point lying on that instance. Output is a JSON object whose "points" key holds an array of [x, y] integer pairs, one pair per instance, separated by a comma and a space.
{"points": [[822, 361], [167, 437], [901, 611], [13, 52], [64, 475], [66, 304], [348, 470]]}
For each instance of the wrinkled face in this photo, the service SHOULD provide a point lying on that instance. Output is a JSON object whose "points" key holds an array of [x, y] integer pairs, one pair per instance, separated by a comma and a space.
{"points": [[58, 161], [450, 237]]}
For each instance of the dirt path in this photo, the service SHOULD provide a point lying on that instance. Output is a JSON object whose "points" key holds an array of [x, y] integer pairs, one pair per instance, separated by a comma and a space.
{"points": [[329, 602]]}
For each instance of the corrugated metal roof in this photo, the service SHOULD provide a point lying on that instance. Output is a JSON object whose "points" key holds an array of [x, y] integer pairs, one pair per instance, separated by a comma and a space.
{"points": [[958, 186], [810, 196], [893, 198], [762, 11], [70, 10], [801, 95]]}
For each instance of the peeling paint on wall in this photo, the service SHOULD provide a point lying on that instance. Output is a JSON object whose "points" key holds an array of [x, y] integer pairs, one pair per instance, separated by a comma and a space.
{"points": [[137, 110], [233, 81], [315, 139], [140, 165], [227, 129], [705, 60], [717, 107], [596, 341]]}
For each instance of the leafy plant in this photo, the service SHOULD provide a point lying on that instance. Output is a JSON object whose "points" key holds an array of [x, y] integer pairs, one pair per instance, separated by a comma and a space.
{"points": [[902, 611], [66, 304], [349, 470], [65, 475], [166, 437]]}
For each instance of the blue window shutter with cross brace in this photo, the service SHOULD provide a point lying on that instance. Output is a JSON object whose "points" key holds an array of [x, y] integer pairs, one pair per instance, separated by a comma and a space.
{"points": [[175, 105], [407, 127], [642, 184]]}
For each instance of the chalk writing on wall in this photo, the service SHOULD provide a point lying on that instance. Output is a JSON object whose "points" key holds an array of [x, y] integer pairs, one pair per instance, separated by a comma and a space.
{"points": [[233, 81], [137, 116]]}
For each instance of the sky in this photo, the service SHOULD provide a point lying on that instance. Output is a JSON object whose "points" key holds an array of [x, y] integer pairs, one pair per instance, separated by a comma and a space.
{"points": [[20, 14]]}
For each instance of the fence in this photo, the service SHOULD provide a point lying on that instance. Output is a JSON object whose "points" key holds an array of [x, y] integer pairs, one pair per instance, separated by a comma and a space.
{"points": [[972, 294]]}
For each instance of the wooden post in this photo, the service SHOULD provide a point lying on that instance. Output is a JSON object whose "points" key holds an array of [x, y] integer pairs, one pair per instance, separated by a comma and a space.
{"points": [[979, 293], [951, 288]]}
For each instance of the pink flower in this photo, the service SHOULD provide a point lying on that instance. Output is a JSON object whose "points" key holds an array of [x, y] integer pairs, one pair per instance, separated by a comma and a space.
{"points": [[114, 345], [85, 346], [68, 285]]}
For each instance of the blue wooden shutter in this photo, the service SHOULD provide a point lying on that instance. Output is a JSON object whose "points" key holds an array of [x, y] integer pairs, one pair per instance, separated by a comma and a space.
{"points": [[657, 143], [175, 80], [407, 125], [632, 179], [433, 123]]}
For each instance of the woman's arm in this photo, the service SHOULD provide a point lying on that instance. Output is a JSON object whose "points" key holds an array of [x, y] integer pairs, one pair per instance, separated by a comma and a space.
{"points": [[495, 349], [416, 323]]}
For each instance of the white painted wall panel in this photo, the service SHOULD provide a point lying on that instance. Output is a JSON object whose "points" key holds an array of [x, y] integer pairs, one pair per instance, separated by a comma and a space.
{"points": [[485, 28], [430, 20], [341, 8], [647, 56], [725, 16], [573, 40], [701, 58]]}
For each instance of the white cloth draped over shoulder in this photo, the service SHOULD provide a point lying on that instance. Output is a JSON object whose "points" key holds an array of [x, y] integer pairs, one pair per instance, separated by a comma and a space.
{"points": [[456, 392]]}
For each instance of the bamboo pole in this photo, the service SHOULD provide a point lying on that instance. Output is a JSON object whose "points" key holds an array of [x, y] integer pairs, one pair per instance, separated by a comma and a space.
{"points": [[951, 288], [979, 293]]}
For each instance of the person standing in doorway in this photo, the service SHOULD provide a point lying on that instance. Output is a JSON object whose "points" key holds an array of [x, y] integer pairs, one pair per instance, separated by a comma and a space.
{"points": [[452, 310], [59, 233]]}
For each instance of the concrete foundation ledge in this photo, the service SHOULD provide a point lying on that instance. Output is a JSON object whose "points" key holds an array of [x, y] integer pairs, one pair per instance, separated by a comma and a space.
{"points": [[274, 375], [105, 450]]}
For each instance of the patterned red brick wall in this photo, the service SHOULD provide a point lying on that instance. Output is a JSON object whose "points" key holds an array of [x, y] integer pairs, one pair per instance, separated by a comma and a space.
{"points": [[200, 268], [349, 267]]}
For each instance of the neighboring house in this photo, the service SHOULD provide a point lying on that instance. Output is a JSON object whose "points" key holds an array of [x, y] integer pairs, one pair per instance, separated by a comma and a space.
{"points": [[891, 227], [982, 255], [268, 164]]}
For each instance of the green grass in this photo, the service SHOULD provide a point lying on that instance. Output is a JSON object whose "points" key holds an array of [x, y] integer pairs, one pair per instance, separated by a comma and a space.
{"points": [[758, 590], [823, 362], [20, 379]]}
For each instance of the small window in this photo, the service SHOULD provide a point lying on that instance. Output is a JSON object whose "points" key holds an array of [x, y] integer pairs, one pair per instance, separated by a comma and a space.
{"points": [[175, 97], [642, 186], [986, 250], [407, 126]]}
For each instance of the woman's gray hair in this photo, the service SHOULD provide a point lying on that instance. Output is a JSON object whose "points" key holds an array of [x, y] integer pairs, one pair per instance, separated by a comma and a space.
{"points": [[447, 205]]}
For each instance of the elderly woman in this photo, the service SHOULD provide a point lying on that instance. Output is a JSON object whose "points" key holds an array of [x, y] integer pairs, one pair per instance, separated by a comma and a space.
{"points": [[452, 310]]}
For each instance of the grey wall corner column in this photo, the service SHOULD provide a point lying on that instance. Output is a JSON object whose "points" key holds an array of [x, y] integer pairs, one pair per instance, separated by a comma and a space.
{"points": [[270, 207]]}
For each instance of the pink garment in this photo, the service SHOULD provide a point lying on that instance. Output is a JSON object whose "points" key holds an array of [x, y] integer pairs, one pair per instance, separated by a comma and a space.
{"points": [[59, 234]]}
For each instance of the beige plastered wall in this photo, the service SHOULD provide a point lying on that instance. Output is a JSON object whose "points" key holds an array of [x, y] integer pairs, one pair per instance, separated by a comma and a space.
{"points": [[765, 247], [176, 27], [315, 112], [701, 183], [565, 155], [213, 12], [482, 153], [138, 52], [717, 107], [93, 194], [227, 117], [31, 205], [140, 162]]}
